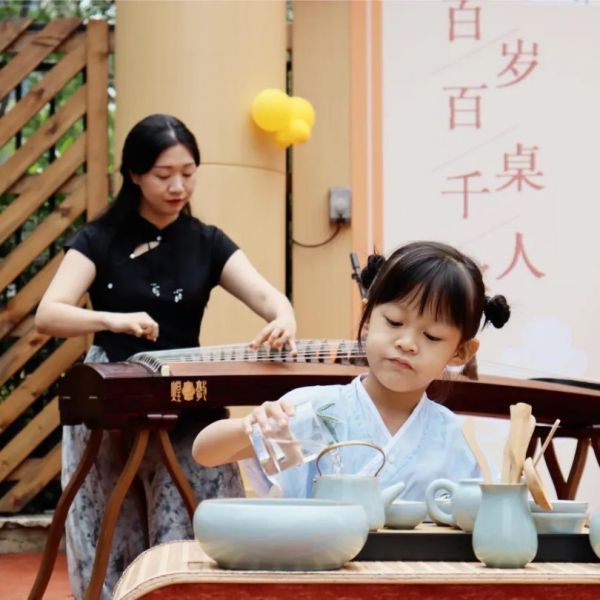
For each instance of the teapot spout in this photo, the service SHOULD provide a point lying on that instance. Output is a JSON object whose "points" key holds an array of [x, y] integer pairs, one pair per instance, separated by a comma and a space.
{"points": [[389, 494]]}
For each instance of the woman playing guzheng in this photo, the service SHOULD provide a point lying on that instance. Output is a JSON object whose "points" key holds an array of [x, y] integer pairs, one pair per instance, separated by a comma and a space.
{"points": [[424, 307], [149, 268]]}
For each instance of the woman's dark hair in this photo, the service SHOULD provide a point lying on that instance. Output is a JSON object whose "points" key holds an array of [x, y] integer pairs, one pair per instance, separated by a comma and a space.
{"points": [[144, 143], [440, 278]]}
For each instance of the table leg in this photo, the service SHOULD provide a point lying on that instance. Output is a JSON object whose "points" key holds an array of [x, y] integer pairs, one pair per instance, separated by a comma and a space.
{"points": [[60, 515], [174, 468], [111, 514]]}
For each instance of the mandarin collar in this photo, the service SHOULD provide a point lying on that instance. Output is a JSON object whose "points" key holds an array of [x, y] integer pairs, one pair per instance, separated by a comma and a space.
{"points": [[143, 228]]}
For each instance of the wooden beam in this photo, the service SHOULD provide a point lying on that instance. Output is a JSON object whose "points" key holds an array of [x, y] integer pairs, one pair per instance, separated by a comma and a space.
{"points": [[41, 379], [21, 304], [50, 180], [97, 116], [10, 30], [20, 258], [31, 56], [28, 182], [41, 93], [29, 438], [26, 489], [47, 135]]}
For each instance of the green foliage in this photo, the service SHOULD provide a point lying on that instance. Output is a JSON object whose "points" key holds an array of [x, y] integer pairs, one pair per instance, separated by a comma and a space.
{"points": [[46, 10]]}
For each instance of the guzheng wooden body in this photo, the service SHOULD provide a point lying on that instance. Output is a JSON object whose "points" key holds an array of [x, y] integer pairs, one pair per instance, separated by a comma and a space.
{"points": [[109, 395], [203, 379]]}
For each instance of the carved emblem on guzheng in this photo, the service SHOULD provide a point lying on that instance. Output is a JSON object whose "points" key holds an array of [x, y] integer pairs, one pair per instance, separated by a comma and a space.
{"points": [[189, 391]]}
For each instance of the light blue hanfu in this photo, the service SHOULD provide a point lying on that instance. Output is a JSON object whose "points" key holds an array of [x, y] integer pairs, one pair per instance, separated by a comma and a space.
{"points": [[429, 445]]}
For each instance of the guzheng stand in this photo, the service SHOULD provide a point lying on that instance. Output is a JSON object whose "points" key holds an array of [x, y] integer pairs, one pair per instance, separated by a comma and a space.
{"points": [[157, 424]]}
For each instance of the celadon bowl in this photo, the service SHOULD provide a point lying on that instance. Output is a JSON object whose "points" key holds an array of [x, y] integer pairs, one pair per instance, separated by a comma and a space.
{"points": [[405, 514], [280, 533], [555, 522], [562, 506]]}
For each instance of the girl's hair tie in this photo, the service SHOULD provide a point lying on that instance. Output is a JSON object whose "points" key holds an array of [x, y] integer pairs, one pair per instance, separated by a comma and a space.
{"points": [[496, 310], [371, 269]]}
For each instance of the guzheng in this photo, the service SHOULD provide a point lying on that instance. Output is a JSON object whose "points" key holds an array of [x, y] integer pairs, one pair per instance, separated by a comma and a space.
{"points": [[109, 395], [211, 377]]}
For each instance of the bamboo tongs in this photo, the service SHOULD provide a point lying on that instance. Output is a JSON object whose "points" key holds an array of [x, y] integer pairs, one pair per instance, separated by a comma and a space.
{"points": [[522, 425]]}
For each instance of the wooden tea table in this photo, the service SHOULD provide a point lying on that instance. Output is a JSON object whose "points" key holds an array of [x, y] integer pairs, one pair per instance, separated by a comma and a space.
{"points": [[182, 571]]}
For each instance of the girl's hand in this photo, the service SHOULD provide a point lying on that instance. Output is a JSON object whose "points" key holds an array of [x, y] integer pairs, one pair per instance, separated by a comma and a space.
{"points": [[277, 334], [140, 324], [280, 410]]}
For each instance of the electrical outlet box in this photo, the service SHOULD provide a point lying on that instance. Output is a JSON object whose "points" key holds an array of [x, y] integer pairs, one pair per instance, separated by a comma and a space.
{"points": [[340, 204]]}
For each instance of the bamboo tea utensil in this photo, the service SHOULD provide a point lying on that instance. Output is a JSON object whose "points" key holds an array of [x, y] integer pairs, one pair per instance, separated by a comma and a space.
{"points": [[469, 434], [520, 426], [546, 442], [507, 454], [535, 485]]}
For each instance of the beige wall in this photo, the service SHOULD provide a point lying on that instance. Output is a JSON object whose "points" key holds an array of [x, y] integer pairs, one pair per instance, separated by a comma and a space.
{"points": [[322, 287], [204, 62], [337, 66]]}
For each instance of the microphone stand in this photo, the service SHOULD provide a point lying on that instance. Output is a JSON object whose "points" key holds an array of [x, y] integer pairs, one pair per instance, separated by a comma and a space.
{"points": [[356, 274]]}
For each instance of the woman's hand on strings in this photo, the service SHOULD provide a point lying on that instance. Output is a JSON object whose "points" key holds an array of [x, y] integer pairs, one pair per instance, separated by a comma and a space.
{"points": [[280, 411], [140, 324], [278, 334]]}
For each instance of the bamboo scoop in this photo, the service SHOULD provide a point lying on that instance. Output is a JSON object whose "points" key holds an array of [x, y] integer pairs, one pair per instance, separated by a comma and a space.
{"points": [[546, 442], [535, 485], [469, 434]]}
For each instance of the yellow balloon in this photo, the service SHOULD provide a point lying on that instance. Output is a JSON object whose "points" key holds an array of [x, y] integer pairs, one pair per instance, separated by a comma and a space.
{"points": [[272, 110], [299, 130], [284, 138], [303, 109]]}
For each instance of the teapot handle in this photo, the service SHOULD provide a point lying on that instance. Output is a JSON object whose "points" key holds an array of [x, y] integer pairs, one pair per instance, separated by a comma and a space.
{"points": [[350, 443]]}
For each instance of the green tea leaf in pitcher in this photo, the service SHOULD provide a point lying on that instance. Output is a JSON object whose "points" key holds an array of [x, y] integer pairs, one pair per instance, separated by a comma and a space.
{"points": [[329, 421]]}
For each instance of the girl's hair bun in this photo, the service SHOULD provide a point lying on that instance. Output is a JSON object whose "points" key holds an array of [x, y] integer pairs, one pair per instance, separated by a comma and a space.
{"points": [[496, 311], [371, 269]]}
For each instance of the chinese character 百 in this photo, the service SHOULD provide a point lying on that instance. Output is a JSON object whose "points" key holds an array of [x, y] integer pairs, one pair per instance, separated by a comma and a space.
{"points": [[465, 111], [464, 21]]}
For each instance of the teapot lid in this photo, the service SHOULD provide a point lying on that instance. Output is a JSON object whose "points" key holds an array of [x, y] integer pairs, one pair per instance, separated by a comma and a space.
{"points": [[350, 443]]}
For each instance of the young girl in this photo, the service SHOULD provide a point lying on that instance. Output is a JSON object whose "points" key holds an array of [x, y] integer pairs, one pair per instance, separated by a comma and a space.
{"points": [[424, 306]]}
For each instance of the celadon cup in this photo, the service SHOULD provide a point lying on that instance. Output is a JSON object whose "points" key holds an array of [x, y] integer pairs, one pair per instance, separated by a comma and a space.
{"points": [[464, 499], [504, 535]]}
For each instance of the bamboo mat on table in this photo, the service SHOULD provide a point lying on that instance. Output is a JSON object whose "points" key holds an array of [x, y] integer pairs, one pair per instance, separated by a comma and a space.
{"points": [[185, 562]]}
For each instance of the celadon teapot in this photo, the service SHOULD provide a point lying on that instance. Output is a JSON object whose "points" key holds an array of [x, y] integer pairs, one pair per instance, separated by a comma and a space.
{"points": [[359, 489]]}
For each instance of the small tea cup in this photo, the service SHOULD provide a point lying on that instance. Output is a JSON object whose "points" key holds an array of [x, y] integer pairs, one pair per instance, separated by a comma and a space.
{"points": [[555, 522], [405, 514]]}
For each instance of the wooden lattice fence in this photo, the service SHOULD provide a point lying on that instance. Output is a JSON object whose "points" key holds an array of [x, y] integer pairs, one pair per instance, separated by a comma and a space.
{"points": [[53, 175]]}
